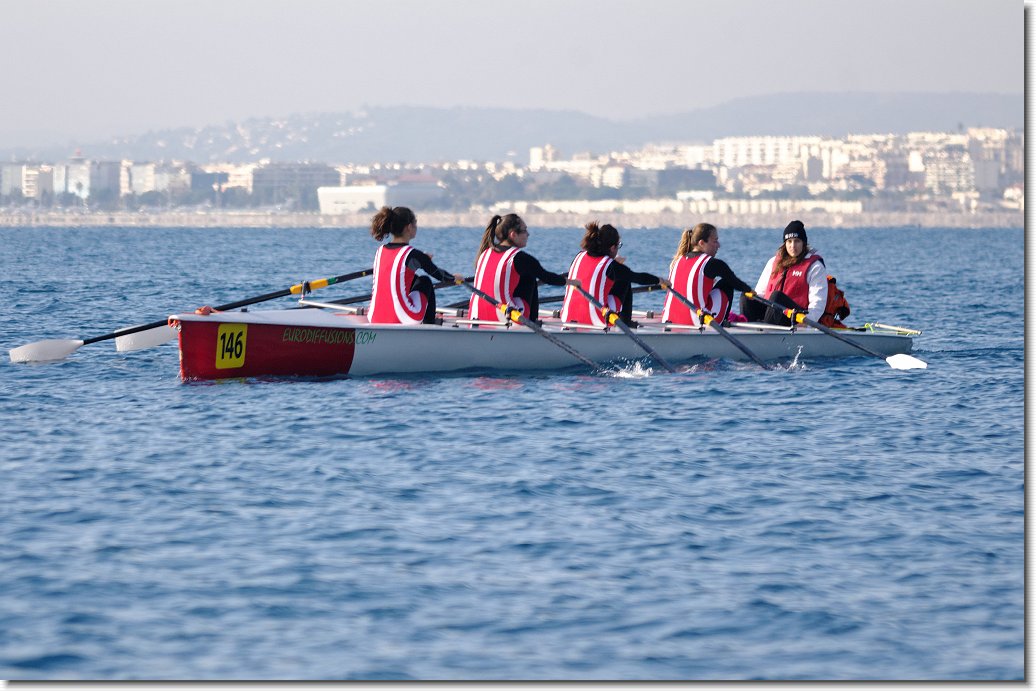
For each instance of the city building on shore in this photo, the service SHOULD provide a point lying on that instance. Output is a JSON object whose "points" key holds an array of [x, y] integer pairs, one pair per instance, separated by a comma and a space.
{"points": [[970, 171]]}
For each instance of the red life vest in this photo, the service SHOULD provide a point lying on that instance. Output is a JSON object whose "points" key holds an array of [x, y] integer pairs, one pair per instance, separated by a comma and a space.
{"points": [[495, 274], [392, 301], [688, 277], [592, 273], [792, 281], [837, 306]]}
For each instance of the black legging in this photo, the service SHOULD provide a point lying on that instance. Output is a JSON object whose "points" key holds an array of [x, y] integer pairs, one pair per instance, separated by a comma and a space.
{"points": [[757, 312], [423, 285], [625, 294]]}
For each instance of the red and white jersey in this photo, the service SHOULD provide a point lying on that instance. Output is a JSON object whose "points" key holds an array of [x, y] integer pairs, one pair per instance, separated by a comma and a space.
{"points": [[688, 278], [495, 274], [392, 301], [592, 273], [794, 281]]}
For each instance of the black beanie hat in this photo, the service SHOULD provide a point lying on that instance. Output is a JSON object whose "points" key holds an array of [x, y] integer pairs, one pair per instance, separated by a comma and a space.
{"points": [[795, 229]]}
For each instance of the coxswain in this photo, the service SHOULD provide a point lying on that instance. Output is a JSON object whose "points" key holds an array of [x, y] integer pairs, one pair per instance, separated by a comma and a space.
{"points": [[507, 272], [602, 273], [702, 278], [399, 295], [795, 277]]}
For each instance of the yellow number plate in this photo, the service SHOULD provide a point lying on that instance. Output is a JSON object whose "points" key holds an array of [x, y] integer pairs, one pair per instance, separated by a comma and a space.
{"points": [[230, 346]]}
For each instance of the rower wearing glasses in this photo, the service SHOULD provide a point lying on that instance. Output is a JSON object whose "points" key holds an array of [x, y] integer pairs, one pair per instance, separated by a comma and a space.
{"points": [[505, 271], [602, 272]]}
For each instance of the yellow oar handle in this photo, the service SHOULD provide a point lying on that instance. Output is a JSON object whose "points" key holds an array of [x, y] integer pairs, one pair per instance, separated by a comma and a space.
{"points": [[794, 316], [307, 286], [513, 314], [609, 316]]}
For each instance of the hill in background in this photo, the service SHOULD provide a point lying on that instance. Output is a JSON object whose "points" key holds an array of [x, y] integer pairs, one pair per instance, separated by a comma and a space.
{"points": [[409, 133]]}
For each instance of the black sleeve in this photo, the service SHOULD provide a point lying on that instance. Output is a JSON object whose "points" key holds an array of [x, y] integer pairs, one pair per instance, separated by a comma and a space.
{"points": [[621, 273], [419, 260], [527, 265], [721, 273]]}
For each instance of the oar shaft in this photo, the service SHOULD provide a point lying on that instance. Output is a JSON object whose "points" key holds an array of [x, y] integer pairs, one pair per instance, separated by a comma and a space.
{"points": [[367, 296], [638, 289], [796, 316], [292, 290], [126, 332], [714, 323], [517, 316], [613, 318]]}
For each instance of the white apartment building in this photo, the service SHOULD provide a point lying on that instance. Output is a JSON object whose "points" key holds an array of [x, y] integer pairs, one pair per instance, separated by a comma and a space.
{"points": [[349, 199], [140, 178], [30, 181], [82, 177], [238, 175], [949, 170], [582, 166], [10, 178], [37, 181], [412, 191], [735, 152]]}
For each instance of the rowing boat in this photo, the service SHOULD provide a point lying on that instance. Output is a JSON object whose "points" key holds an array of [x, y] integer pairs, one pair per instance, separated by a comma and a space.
{"points": [[325, 339]]}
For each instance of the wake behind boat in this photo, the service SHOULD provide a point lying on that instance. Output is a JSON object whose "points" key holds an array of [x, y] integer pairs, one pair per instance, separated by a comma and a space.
{"points": [[328, 340]]}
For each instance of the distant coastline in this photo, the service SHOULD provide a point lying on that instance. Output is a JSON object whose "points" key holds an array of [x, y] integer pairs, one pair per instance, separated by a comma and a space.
{"points": [[440, 219]]}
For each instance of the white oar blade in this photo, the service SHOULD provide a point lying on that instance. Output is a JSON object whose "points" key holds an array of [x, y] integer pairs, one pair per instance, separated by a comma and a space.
{"points": [[42, 351], [903, 361], [145, 339]]}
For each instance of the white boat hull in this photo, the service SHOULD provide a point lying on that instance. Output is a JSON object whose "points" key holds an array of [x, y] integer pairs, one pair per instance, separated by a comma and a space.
{"points": [[313, 342]]}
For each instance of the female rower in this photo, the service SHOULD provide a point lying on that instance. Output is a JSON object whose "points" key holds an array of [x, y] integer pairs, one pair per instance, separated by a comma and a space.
{"points": [[505, 271], [604, 275], [707, 282], [399, 295], [795, 277]]}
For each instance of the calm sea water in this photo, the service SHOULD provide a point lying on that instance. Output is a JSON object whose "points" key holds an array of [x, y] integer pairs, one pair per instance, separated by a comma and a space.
{"points": [[835, 519]]}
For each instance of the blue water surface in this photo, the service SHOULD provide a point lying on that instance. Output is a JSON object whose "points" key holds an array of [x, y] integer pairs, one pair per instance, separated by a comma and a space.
{"points": [[834, 519]]}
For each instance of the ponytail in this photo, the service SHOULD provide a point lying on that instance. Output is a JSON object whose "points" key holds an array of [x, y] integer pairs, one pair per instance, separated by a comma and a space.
{"points": [[684, 247], [598, 240], [488, 237], [498, 231], [691, 237], [389, 221]]}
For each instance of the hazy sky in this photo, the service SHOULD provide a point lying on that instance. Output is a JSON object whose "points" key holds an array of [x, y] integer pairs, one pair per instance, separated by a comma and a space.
{"points": [[76, 68]]}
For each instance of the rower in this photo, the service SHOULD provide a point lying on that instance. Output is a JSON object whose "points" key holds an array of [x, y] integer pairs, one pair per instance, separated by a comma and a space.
{"points": [[399, 295], [603, 273], [507, 272], [706, 281]]}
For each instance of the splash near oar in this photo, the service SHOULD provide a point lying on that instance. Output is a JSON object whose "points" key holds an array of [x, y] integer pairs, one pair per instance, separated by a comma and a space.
{"points": [[514, 315], [57, 349], [612, 318], [709, 320], [899, 361]]}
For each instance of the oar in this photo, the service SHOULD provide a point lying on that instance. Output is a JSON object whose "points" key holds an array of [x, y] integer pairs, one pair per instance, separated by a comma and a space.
{"points": [[899, 361], [517, 316], [557, 299], [367, 296], [612, 317], [713, 322], [638, 289], [56, 349], [129, 341]]}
